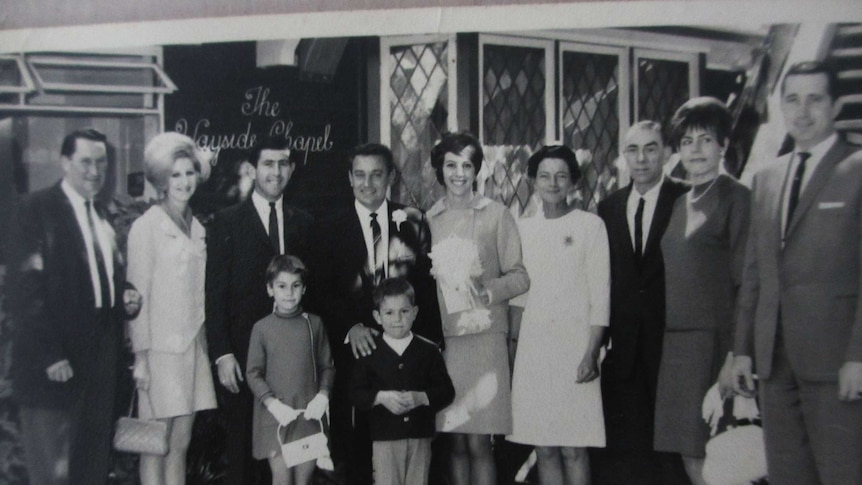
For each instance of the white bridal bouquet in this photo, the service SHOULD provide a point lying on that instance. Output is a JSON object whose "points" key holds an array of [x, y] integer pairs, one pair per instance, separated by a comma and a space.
{"points": [[456, 266]]}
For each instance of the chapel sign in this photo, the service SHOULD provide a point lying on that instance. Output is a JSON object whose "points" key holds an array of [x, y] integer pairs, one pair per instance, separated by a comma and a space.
{"points": [[261, 115]]}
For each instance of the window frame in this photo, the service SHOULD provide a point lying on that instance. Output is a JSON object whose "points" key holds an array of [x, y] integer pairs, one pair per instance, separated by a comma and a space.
{"points": [[386, 66], [60, 61], [550, 78], [625, 83], [28, 85], [688, 57]]}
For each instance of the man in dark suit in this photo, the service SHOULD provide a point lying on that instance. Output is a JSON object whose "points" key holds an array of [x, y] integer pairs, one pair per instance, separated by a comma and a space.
{"points": [[241, 241], [800, 310], [65, 295], [359, 246], [636, 217]]}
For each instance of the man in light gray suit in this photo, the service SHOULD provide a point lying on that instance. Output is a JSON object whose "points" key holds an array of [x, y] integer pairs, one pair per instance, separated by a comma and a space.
{"points": [[800, 311]]}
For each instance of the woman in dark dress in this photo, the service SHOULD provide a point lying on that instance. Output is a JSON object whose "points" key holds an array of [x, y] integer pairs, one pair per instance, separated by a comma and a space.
{"points": [[703, 250]]}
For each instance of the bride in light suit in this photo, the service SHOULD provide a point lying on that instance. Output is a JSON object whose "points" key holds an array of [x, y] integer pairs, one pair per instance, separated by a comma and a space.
{"points": [[167, 261]]}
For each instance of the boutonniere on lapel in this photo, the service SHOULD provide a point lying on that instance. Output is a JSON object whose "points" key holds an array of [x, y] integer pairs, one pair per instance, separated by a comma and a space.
{"points": [[398, 217]]}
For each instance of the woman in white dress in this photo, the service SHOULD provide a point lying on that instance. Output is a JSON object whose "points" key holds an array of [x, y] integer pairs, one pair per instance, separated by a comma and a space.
{"points": [[167, 259], [556, 341]]}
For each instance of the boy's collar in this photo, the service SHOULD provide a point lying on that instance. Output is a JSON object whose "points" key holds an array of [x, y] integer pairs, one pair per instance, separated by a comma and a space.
{"points": [[399, 345]]}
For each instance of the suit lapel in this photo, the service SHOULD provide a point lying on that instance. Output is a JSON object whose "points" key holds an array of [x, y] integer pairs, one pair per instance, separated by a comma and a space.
{"points": [[355, 243], [68, 218], [661, 216], [818, 180], [621, 215], [393, 229], [775, 184], [253, 223], [287, 228], [116, 255]]}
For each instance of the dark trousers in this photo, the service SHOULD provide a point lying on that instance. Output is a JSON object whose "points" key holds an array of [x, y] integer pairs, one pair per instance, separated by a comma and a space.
{"points": [[45, 435], [811, 437], [237, 410], [629, 408], [82, 447], [350, 435]]}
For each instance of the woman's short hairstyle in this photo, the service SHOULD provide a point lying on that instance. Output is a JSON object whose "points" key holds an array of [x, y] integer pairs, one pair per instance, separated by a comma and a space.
{"points": [[702, 113], [562, 152], [286, 263], [161, 153], [455, 143]]}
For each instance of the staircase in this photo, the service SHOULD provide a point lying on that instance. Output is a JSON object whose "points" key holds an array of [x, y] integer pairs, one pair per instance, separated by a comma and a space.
{"points": [[845, 52]]}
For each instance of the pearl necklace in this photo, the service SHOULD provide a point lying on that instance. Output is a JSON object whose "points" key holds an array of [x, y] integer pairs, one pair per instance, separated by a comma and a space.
{"points": [[691, 197]]}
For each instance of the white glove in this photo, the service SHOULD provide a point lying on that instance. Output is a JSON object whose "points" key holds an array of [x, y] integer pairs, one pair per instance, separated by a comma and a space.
{"points": [[283, 413], [316, 407], [141, 371]]}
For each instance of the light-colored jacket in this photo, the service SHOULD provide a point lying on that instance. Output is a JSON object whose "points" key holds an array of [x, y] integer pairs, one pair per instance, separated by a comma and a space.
{"points": [[492, 228], [168, 270]]}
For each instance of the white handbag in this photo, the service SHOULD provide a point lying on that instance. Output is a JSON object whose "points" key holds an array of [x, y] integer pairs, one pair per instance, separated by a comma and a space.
{"points": [[736, 453], [309, 447], [303, 449]]}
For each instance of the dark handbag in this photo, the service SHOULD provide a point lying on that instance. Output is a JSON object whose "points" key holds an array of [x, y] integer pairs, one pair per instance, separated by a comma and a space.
{"points": [[141, 436]]}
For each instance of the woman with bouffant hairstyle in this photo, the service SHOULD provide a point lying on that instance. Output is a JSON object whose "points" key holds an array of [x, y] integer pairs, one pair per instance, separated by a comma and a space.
{"points": [[167, 260], [703, 250]]}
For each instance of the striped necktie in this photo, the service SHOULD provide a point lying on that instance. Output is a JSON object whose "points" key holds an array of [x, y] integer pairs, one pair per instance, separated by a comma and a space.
{"points": [[377, 244]]}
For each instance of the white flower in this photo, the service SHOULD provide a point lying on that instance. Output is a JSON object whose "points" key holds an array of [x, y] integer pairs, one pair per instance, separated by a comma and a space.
{"points": [[398, 217], [455, 261], [456, 265], [473, 321], [584, 156]]}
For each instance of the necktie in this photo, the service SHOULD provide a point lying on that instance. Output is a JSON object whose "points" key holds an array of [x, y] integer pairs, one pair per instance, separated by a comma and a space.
{"points": [[796, 187], [101, 269], [273, 228], [377, 244], [639, 229]]}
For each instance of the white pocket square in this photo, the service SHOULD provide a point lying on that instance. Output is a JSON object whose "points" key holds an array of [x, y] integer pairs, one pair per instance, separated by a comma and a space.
{"points": [[830, 205]]}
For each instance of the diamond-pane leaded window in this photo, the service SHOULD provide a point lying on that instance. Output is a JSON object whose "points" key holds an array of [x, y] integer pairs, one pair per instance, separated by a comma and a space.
{"points": [[418, 106], [513, 118], [590, 119], [662, 88]]}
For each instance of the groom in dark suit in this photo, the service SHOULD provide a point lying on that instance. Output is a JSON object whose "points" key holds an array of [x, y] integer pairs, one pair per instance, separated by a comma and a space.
{"points": [[65, 294], [358, 247], [241, 241], [636, 217]]}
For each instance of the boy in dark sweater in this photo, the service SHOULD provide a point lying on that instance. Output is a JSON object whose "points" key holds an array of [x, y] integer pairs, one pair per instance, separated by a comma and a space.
{"points": [[402, 385]]}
